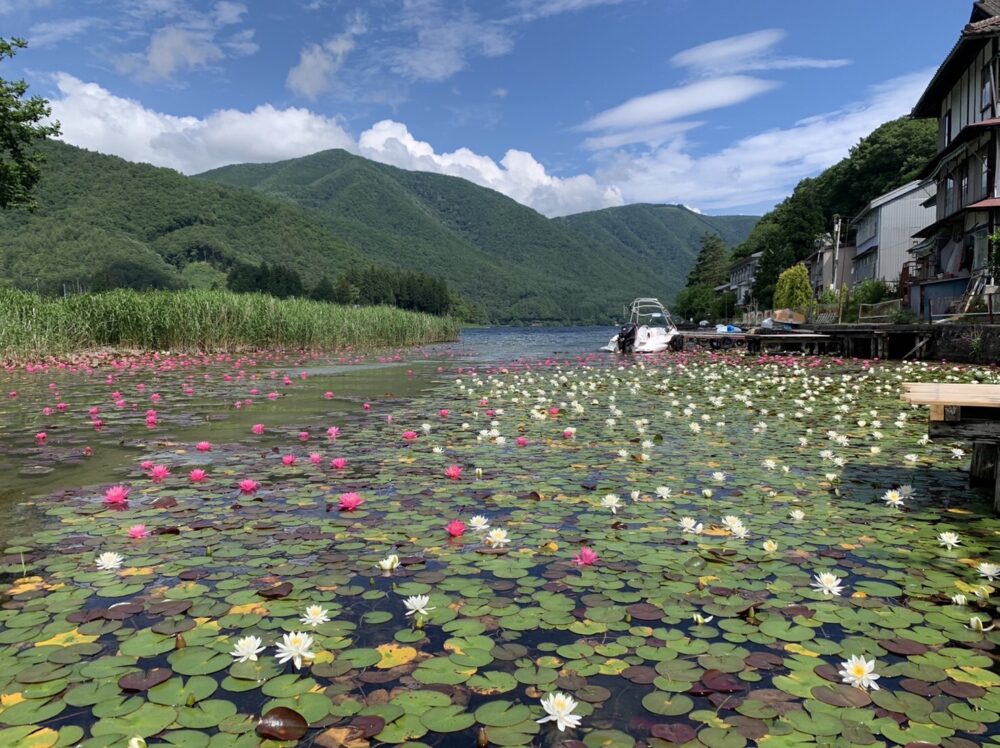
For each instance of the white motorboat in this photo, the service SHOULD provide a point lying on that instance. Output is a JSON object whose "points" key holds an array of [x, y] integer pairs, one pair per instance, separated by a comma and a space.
{"points": [[649, 329]]}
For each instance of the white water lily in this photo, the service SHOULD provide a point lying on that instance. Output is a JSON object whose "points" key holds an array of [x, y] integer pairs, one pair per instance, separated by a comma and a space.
{"points": [[957, 453], [769, 464], [910, 457], [959, 599], [689, 524], [635, 495], [828, 583], [797, 515], [295, 646], [718, 475], [559, 709], [479, 523], [136, 742], [497, 538], [859, 672], [731, 521], [770, 546], [664, 492], [893, 498], [247, 648], [611, 501], [740, 532], [906, 491], [976, 624], [389, 563], [949, 539], [988, 570], [314, 616], [417, 605], [702, 620], [109, 561]]}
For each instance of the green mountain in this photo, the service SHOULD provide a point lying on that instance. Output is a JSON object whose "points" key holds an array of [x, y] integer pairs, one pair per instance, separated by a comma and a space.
{"points": [[102, 220], [513, 263]]}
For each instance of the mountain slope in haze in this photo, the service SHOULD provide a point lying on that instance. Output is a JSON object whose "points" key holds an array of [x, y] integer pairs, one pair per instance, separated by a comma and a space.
{"points": [[101, 214], [511, 261]]}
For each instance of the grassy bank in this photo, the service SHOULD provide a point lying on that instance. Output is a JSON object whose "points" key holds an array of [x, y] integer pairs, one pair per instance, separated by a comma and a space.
{"points": [[32, 325]]}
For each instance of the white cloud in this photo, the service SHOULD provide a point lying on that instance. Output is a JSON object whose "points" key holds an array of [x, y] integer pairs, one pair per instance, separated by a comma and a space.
{"points": [[500, 93], [534, 9], [319, 63], [94, 118], [746, 53], [683, 101], [17, 6], [444, 42], [650, 136], [48, 33], [761, 169], [172, 49]]}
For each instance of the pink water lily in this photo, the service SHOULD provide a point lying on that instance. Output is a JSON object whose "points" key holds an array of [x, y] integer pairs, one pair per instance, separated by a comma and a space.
{"points": [[197, 475], [138, 532], [455, 528], [443, 412], [350, 501], [454, 472], [158, 473], [316, 458], [288, 460], [367, 406], [203, 446], [248, 486], [521, 441], [257, 428], [586, 557], [409, 435], [116, 495], [338, 463], [303, 436], [40, 437], [328, 395], [333, 432]]}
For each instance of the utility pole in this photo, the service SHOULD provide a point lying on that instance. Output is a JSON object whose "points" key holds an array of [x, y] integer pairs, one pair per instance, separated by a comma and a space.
{"points": [[836, 245]]}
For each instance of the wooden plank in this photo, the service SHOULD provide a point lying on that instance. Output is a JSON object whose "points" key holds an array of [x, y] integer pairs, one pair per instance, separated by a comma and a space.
{"points": [[969, 430], [937, 412], [972, 395], [984, 462]]}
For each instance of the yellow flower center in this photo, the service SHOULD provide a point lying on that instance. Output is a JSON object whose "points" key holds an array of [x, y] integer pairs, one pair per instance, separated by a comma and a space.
{"points": [[858, 670]]}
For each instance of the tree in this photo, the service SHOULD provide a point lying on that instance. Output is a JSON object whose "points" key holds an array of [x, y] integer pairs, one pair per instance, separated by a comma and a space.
{"points": [[711, 268], [323, 291], [20, 128], [793, 290]]}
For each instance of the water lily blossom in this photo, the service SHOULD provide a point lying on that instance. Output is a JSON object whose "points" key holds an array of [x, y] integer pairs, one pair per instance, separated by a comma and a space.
{"points": [[797, 515], [158, 473], [109, 561], [586, 557], [197, 475], [295, 646], [893, 498], [559, 709], [976, 624], [417, 605], [959, 599], [611, 501], [350, 501], [949, 540], [454, 472], [828, 583], [701, 620], [497, 538], [248, 486], [455, 528], [690, 525], [988, 570], [389, 563], [314, 616], [247, 649], [859, 672], [138, 532], [116, 495], [770, 546], [257, 428], [479, 523]]}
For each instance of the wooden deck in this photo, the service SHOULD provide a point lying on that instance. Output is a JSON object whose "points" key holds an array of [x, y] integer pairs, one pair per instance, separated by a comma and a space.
{"points": [[967, 412]]}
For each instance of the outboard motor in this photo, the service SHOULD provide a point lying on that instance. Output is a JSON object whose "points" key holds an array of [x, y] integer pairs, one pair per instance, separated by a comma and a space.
{"points": [[626, 337]]}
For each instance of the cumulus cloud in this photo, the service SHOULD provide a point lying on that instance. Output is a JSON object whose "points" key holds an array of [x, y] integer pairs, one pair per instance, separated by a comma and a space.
{"points": [[95, 118], [319, 63], [745, 53]]}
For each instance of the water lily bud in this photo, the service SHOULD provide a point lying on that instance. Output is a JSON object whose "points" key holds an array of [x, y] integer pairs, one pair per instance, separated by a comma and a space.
{"points": [[179, 642], [482, 739]]}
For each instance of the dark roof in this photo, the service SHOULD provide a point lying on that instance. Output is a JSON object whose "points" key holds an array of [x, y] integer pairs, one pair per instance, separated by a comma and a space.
{"points": [[984, 24]]}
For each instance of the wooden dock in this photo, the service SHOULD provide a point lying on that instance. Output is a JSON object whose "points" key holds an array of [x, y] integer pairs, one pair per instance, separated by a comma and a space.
{"points": [[969, 412]]}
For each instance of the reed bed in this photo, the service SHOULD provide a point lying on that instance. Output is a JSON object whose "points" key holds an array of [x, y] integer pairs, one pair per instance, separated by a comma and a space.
{"points": [[32, 325]]}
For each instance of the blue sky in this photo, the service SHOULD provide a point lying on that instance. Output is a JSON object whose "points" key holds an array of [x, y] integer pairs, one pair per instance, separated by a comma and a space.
{"points": [[564, 105]]}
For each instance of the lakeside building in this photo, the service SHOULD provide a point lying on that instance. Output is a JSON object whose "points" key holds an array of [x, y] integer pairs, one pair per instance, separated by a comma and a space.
{"points": [[884, 231], [830, 265], [741, 278], [950, 263]]}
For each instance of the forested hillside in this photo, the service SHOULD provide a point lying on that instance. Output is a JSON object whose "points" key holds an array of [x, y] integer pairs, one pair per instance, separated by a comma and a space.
{"points": [[517, 265]]}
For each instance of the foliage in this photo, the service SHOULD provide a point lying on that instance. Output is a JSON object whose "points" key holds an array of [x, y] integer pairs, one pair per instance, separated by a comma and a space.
{"points": [[277, 280], [889, 157], [202, 320], [793, 290], [869, 291], [21, 127], [711, 267]]}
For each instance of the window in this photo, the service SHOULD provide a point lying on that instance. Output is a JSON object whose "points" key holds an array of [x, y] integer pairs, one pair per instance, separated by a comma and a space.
{"points": [[980, 250], [986, 92], [949, 195], [946, 128], [964, 190], [984, 178]]}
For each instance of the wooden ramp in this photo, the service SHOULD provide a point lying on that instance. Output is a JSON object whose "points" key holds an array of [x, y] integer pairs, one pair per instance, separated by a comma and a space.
{"points": [[968, 412]]}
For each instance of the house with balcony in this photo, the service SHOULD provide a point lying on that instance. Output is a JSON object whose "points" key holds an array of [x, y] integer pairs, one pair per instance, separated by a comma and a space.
{"points": [[829, 265], [884, 231], [950, 261], [741, 278]]}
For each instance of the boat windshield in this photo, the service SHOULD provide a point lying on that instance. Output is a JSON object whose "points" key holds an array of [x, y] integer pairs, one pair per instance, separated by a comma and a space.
{"points": [[649, 312]]}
